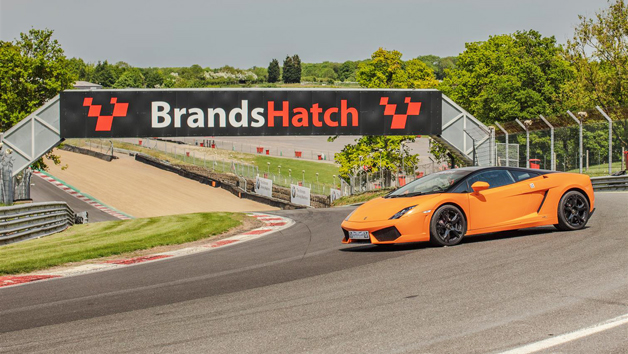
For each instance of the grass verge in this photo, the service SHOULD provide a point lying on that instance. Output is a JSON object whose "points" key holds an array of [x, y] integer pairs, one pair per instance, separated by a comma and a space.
{"points": [[362, 197], [600, 170], [89, 241]]}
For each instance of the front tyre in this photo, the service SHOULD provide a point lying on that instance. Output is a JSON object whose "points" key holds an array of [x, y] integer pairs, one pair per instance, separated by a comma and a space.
{"points": [[573, 211], [448, 226]]}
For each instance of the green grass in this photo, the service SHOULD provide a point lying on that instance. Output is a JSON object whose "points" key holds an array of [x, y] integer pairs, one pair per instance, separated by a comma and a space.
{"points": [[360, 198], [326, 171], [599, 170], [90, 241]]}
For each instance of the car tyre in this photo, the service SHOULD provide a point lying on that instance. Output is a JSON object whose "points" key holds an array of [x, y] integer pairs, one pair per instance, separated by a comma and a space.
{"points": [[573, 211], [448, 226]]}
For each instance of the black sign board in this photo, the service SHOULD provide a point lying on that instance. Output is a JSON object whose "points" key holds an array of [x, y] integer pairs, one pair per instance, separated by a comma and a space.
{"points": [[252, 112]]}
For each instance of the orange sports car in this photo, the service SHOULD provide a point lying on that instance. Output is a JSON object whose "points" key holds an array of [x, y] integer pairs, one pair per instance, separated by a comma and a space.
{"points": [[446, 206]]}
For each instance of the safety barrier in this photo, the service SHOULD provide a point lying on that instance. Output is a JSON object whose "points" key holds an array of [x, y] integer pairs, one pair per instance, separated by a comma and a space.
{"points": [[610, 183], [23, 222]]}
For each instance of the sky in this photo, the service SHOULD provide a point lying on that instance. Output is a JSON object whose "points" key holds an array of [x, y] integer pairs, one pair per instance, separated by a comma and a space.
{"points": [[246, 33]]}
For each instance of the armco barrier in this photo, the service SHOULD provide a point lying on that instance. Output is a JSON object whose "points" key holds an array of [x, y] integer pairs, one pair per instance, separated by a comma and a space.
{"points": [[89, 152], [610, 183], [23, 222]]}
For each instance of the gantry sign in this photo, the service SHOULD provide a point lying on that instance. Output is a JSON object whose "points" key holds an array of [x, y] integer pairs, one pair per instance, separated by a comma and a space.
{"points": [[252, 112]]}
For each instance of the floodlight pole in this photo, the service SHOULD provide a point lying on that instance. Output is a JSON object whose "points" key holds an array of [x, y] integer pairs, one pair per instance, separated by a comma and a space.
{"points": [[506, 134], [580, 140], [527, 142], [610, 139], [553, 159]]}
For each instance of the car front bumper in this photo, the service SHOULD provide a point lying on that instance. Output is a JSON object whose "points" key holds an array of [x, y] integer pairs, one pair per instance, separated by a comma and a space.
{"points": [[410, 229]]}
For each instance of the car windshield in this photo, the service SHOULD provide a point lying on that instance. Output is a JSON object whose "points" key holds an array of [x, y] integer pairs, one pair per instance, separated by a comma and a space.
{"points": [[432, 183]]}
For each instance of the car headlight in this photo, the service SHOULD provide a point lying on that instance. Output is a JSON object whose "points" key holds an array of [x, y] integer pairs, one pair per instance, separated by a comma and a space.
{"points": [[348, 216], [402, 212]]}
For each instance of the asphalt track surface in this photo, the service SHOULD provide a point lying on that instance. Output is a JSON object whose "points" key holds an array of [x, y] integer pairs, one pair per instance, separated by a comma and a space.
{"points": [[43, 191], [302, 291]]}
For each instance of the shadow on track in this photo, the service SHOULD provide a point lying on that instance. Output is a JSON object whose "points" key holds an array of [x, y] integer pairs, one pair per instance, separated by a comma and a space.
{"points": [[368, 248]]}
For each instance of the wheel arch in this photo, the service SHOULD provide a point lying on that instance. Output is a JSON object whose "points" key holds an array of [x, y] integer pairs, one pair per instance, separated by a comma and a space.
{"points": [[466, 218], [577, 189]]}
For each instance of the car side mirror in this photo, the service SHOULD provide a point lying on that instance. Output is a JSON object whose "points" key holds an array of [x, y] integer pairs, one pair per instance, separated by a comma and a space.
{"points": [[479, 186]]}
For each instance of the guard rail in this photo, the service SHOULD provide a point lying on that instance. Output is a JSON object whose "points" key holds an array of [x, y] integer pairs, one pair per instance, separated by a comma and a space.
{"points": [[610, 183], [23, 222]]}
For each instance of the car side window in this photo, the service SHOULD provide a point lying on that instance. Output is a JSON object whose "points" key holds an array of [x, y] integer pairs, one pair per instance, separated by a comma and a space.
{"points": [[494, 178], [523, 175]]}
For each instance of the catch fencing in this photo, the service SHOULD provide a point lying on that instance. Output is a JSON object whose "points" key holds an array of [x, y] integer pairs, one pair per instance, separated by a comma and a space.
{"points": [[591, 142], [23, 222]]}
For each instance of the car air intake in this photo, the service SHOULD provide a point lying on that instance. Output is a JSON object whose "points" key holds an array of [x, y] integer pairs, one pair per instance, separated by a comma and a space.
{"points": [[387, 234], [346, 235]]}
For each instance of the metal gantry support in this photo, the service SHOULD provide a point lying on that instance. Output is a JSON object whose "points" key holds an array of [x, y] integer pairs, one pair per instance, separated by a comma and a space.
{"points": [[580, 139], [527, 142], [610, 139], [553, 157], [506, 134]]}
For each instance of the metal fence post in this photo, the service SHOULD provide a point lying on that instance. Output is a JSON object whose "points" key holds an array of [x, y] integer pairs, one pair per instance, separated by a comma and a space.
{"points": [[610, 140], [580, 140], [506, 134], [527, 142], [553, 158]]}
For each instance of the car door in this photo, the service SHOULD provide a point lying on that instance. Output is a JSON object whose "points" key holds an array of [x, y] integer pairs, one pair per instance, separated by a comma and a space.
{"points": [[496, 206]]}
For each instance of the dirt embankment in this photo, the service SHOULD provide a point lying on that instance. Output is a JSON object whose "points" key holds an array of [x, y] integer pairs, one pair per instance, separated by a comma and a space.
{"points": [[141, 190]]}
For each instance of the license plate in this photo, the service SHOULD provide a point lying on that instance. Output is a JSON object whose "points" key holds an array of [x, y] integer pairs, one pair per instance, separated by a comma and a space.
{"points": [[359, 235]]}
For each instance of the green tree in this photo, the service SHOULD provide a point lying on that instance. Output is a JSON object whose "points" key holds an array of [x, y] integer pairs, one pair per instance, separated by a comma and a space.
{"points": [[33, 70], [510, 76], [131, 78], [296, 69], [599, 52], [346, 70], [273, 71], [287, 70], [385, 70], [105, 74]]}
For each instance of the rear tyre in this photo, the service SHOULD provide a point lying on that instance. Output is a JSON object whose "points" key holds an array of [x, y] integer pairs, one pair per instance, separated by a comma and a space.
{"points": [[573, 211], [448, 226]]}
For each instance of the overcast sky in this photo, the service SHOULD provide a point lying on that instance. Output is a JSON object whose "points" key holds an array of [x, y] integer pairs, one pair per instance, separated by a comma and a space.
{"points": [[246, 33]]}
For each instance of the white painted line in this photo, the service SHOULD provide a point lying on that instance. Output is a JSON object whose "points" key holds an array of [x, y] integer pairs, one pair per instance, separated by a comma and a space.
{"points": [[568, 337]]}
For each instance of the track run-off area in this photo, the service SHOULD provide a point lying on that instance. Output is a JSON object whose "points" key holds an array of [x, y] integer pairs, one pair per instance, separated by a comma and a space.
{"points": [[301, 290]]}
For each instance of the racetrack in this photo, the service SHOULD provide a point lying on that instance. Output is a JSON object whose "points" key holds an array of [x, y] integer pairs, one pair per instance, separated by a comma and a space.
{"points": [[303, 291], [43, 191]]}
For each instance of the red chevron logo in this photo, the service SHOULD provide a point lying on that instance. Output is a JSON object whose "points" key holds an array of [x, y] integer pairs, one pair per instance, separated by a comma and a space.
{"points": [[399, 120], [103, 123]]}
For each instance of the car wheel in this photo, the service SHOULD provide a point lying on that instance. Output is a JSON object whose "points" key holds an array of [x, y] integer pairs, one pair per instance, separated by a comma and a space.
{"points": [[448, 226], [573, 211]]}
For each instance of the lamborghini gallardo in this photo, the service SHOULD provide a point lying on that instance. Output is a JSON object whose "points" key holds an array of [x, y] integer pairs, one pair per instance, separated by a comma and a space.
{"points": [[446, 206]]}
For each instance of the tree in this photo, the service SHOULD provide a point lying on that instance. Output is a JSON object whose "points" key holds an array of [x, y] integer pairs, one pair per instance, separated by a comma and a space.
{"points": [[33, 70], [510, 76], [104, 74], [599, 52], [346, 70], [385, 70], [273, 71], [292, 69], [296, 69], [131, 78]]}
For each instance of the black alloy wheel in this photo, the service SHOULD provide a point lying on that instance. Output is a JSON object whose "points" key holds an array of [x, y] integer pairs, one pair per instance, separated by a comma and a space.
{"points": [[573, 211], [448, 226]]}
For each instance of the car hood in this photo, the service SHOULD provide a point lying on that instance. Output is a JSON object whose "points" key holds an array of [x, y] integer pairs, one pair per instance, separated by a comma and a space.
{"points": [[384, 208]]}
